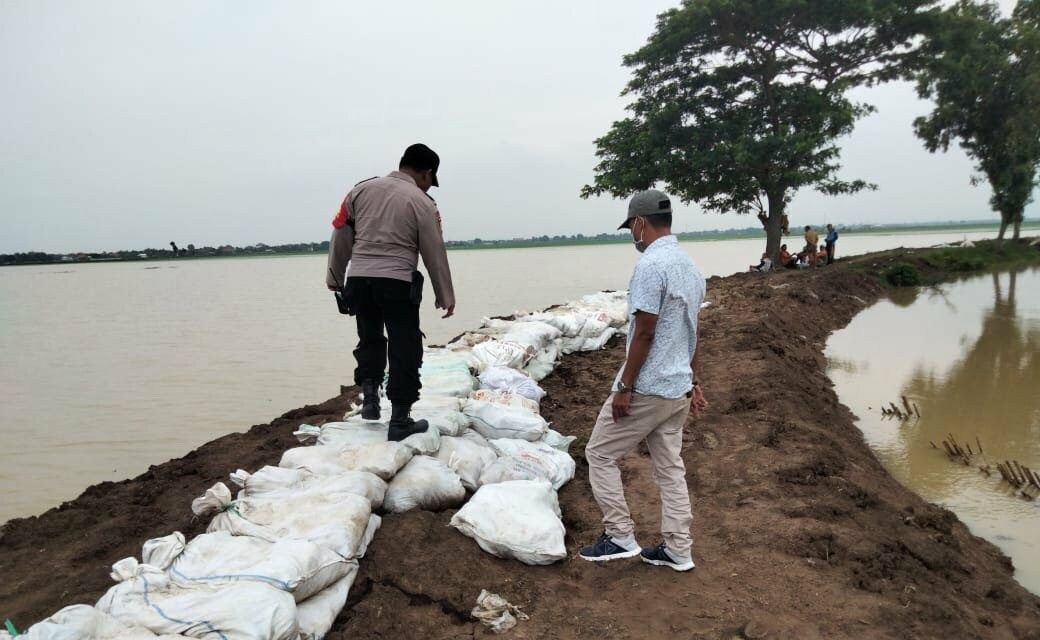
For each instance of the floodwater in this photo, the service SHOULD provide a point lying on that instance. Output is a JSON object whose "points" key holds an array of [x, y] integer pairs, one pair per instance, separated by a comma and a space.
{"points": [[968, 355], [109, 368]]}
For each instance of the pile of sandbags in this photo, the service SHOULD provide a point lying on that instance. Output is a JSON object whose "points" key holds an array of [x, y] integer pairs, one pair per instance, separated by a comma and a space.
{"points": [[279, 558]]}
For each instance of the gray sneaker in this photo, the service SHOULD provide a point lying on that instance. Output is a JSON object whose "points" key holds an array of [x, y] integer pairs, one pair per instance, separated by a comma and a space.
{"points": [[659, 556]]}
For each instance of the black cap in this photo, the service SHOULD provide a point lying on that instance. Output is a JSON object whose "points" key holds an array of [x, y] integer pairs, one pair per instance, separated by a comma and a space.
{"points": [[422, 158]]}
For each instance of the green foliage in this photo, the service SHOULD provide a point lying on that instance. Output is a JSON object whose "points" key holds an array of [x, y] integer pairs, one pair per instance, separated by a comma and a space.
{"points": [[983, 73], [902, 275], [739, 103]]}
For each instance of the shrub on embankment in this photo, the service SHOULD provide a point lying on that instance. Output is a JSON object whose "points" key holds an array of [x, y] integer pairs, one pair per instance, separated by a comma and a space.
{"points": [[913, 267]]}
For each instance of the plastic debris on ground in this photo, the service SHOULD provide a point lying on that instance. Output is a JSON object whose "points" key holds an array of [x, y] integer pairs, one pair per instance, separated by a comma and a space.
{"points": [[495, 612]]}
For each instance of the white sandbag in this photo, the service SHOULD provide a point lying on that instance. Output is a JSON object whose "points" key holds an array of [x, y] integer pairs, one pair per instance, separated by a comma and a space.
{"points": [[540, 366], [425, 442], [145, 597], [383, 459], [569, 323], [534, 335], [316, 615], [612, 304], [496, 353], [521, 460], [447, 383], [512, 381], [279, 482], [337, 522], [467, 458], [353, 432], [374, 522], [473, 436], [500, 421], [506, 398], [84, 622], [519, 519], [444, 413], [299, 567], [440, 360], [557, 440], [424, 483]]}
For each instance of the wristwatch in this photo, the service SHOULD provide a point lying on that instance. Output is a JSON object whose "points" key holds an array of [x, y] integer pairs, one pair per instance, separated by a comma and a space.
{"points": [[621, 387]]}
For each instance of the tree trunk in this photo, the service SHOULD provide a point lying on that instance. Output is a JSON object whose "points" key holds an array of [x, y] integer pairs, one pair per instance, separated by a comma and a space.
{"points": [[1003, 229], [773, 231], [1016, 234]]}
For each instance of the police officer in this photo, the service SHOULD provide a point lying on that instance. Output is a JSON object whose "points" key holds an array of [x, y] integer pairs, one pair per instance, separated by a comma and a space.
{"points": [[383, 225]]}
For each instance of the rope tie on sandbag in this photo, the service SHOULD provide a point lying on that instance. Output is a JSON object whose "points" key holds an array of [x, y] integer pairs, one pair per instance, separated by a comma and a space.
{"points": [[11, 629]]}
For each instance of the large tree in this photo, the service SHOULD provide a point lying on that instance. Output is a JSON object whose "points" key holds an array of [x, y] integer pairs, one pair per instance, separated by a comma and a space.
{"points": [[983, 73], [740, 103]]}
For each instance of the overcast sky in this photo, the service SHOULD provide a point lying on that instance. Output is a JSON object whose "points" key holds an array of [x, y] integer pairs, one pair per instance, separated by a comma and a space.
{"points": [[130, 124]]}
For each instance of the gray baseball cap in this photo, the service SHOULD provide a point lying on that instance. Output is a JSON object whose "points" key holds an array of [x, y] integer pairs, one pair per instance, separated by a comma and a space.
{"points": [[647, 203]]}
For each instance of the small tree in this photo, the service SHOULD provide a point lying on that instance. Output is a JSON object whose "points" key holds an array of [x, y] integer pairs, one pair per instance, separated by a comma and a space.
{"points": [[739, 103], [983, 73]]}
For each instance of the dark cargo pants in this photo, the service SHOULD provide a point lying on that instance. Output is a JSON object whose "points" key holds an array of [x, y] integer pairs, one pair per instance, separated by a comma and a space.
{"points": [[385, 302]]}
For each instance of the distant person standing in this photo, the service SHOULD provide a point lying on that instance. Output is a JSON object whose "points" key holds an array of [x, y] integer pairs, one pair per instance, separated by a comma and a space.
{"points": [[811, 240], [383, 225], [830, 240], [656, 389]]}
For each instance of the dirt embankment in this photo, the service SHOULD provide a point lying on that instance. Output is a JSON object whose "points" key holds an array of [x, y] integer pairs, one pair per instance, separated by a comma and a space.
{"points": [[799, 531]]}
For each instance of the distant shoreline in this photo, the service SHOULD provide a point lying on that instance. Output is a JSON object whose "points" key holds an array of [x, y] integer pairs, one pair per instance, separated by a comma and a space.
{"points": [[520, 243]]}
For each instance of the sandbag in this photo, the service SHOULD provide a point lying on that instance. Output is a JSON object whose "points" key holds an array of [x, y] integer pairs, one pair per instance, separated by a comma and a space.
{"points": [[473, 436], [511, 381], [505, 397], [299, 567], [84, 622], [315, 616], [499, 421], [424, 443], [145, 597], [374, 522], [444, 413], [424, 483], [518, 519], [337, 522], [522, 460], [533, 335], [540, 366], [279, 482], [496, 353], [352, 432], [383, 459], [557, 440], [449, 383], [569, 323], [467, 458]]}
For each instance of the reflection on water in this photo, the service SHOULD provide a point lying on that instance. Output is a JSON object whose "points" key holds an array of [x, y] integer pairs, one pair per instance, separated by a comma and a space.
{"points": [[968, 355]]}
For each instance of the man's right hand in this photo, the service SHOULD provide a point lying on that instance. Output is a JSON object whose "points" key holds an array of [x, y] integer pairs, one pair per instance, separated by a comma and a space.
{"points": [[449, 312]]}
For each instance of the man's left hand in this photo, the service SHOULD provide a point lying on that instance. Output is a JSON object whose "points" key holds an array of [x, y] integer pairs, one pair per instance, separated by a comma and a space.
{"points": [[620, 404]]}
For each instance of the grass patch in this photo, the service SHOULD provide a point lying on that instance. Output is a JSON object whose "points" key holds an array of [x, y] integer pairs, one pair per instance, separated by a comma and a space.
{"points": [[915, 267]]}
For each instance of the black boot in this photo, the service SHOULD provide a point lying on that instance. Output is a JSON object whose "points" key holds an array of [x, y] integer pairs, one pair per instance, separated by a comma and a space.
{"points": [[402, 425], [370, 401]]}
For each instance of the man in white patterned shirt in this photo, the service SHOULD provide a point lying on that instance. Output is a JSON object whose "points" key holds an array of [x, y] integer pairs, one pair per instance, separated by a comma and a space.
{"points": [[657, 387]]}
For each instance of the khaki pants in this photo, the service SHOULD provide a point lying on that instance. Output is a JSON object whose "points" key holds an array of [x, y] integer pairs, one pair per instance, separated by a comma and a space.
{"points": [[660, 422]]}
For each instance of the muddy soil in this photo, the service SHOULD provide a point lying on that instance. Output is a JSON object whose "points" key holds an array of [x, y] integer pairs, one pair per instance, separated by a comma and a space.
{"points": [[798, 530]]}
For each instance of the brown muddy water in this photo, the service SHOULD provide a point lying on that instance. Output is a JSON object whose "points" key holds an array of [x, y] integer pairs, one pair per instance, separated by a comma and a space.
{"points": [[106, 369], [968, 354]]}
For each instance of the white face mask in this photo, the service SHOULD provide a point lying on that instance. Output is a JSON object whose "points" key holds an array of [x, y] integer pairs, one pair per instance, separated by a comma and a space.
{"points": [[638, 242]]}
